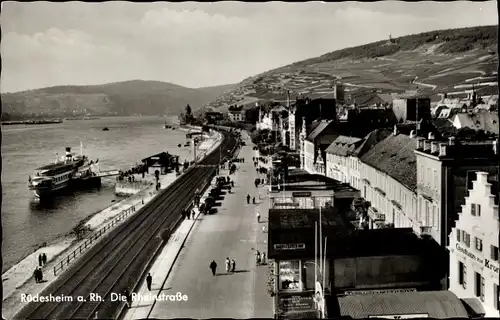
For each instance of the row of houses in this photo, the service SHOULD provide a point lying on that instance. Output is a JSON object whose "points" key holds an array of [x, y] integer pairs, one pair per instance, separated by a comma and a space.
{"points": [[326, 266]]}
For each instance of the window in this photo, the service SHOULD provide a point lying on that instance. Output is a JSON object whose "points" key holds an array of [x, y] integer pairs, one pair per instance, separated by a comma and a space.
{"points": [[422, 173], [289, 275], [428, 178], [479, 286], [494, 253], [435, 180], [458, 234], [466, 238], [479, 244], [426, 213], [496, 296], [462, 274], [475, 209]]}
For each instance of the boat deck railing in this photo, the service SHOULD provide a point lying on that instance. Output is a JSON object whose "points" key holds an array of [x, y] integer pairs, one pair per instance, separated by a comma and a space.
{"points": [[92, 239]]}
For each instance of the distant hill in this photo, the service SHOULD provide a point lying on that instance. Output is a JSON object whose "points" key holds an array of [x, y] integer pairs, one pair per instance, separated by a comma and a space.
{"points": [[120, 98], [430, 62]]}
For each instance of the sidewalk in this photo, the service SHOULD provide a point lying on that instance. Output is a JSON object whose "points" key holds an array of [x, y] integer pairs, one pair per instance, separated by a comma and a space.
{"points": [[232, 232], [19, 279]]}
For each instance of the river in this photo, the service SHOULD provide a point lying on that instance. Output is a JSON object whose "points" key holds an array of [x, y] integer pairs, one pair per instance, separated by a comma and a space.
{"points": [[27, 223]]}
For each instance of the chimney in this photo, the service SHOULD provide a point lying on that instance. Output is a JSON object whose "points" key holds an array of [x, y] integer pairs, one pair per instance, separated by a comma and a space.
{"points": [[427, 145], [442, 149], [430, 136], [395, 132], [434, 147], [451, 141], [412, 134], [495, 146]]}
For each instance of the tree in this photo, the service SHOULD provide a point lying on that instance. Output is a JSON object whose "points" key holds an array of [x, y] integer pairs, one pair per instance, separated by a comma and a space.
{"points": [[188, 110]]}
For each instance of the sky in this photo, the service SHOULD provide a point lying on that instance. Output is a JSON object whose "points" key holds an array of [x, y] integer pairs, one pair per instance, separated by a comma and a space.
{"points": [[199, 44]]}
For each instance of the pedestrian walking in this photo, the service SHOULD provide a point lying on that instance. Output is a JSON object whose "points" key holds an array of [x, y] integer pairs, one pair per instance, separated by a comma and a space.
{"points": [[257, 256], [263, 258], [233, 265], [44, 259], [40, 274], [253, 200], [258, 217], [248, 199], [149, 280], [40, 260], [213, 266], [228, 265], [232, 184], [35, 275], [192, 214]]}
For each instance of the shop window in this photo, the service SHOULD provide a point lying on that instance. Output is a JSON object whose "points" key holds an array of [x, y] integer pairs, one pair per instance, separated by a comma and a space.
{"points": [[289, 275], [466, 239]]}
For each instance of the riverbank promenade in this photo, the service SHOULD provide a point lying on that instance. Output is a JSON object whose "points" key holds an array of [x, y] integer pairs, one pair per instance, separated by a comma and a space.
{"points": [[19, 279], [232, 232]]}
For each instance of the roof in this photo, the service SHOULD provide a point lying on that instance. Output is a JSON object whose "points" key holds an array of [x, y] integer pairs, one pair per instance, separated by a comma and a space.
{"points": [[437, 304], [370, 140], [343, 144], [161, 155], [322, 125], [487, 121], [395, 156]]}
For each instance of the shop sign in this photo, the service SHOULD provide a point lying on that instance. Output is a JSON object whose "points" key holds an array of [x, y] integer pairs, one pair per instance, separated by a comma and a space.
{"points": [[296, 303], [363, 292], [402, 316], [289, 246], [301, 194], [485, 262], [286, 204]]}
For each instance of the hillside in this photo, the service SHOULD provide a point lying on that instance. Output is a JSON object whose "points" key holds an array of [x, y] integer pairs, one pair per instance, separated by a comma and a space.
{"points": [[432, 62], [120, 98]]}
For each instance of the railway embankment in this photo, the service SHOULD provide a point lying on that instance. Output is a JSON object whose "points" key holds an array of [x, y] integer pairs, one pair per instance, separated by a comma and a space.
{"points": [[65, 251]]}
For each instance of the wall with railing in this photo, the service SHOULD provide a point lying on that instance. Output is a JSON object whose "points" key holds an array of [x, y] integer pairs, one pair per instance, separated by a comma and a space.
{"points": [[92, 239]]}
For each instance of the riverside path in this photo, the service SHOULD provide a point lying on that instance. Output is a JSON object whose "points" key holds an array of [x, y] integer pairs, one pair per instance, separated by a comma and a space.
{"points": [[232, 232], [120, 258]]}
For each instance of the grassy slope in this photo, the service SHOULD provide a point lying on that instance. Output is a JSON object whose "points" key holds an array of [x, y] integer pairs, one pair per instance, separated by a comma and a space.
{"points": [[440, 59], [120, 98]]}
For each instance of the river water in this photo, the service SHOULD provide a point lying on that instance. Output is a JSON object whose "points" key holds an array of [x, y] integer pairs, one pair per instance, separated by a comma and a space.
{"points": [[27, 223]]}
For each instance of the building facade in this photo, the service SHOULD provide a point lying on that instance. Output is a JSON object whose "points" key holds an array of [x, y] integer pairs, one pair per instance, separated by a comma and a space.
{"points": [[412, 109], [315, 146], [445, 173], [388, 172], [474, 264], [340, 164], [236, 113]]}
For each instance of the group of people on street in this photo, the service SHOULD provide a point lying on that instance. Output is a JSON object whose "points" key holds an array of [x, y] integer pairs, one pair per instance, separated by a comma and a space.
{"points": [[42, 259], [260, 257], [230, 266], [38, 275], [186, 214]]}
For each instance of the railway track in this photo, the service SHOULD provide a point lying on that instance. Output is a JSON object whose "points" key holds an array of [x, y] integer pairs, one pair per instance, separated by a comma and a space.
{"points": [[118, 261]]}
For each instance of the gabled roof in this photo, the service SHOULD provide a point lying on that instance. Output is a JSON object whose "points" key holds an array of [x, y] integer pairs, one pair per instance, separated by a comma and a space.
{"points": [[370, 140], [343, 144], [395, 156], [317, 130]]}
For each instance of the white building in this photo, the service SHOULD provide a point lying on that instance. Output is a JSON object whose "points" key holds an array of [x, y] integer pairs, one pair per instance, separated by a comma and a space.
{"points": [[339, 159], [314, 155], [389, 181], [474, 269], [265, 120]]}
